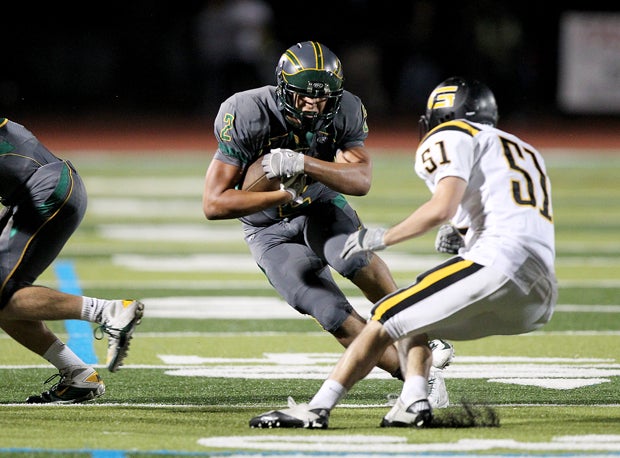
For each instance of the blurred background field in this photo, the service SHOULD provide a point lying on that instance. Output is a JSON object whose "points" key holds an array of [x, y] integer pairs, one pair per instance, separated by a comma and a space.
{"points": [[157, 59]]}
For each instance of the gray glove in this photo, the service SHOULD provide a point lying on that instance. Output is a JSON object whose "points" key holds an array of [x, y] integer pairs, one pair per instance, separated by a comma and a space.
{"points": [[448, 239], [295, 186], [281, 162], [364, 240]]}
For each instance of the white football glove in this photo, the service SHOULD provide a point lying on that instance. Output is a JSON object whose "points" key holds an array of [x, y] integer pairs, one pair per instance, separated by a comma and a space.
{"points": [[449, 239], [282, 162], [295, 186], [364, 240]]}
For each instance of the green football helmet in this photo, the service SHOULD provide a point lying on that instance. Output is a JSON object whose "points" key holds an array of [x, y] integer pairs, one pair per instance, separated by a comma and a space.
{"points": [[309, 69]]}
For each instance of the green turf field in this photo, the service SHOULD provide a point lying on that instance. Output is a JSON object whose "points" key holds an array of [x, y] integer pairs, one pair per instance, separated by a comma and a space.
{"points": [[217, 346]]}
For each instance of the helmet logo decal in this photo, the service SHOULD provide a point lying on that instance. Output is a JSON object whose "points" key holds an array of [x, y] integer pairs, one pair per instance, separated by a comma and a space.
{"points": [[317, 86], [442, 97]]}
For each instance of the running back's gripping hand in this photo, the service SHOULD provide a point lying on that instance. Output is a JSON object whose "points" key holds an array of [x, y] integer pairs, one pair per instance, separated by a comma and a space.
{"points": [[364, 240], [295, 186], [281, 162], [448, 239]]}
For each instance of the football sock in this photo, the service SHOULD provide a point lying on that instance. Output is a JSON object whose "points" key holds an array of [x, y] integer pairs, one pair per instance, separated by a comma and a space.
{"points": [[92, 309], [61, 356], [330, 393], [414, 389]]}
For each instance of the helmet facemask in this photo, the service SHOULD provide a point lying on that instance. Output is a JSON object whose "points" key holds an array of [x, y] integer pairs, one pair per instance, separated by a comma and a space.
{"points": [[311, 121]]}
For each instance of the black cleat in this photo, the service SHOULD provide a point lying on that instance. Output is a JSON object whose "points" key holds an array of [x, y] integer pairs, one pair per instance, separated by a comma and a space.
{"points": [[79, 385], [296, 416], [417, 415]]}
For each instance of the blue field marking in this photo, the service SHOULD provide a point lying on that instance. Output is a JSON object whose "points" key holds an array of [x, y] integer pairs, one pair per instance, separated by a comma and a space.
{"points": [[16, 452], [108, 454], [80, 332]]}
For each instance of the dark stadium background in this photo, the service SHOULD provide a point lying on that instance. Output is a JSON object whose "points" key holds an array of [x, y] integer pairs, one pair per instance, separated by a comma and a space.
{"points": [[92, 60]]}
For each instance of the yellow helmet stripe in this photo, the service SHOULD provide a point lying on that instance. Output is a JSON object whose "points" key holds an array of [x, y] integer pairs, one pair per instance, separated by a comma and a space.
{"points": [[318, 55], [294, 60], [318, 58]]}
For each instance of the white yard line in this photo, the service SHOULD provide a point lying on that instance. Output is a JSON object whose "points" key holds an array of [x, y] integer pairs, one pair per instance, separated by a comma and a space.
{"points": [[231, 307]]}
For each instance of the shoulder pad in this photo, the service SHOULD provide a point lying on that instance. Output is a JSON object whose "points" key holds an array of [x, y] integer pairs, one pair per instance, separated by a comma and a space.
{"points": [[457, 125]]}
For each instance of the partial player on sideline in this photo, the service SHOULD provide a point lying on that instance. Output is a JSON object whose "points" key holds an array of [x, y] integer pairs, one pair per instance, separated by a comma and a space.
{"points": [[44, 202]]}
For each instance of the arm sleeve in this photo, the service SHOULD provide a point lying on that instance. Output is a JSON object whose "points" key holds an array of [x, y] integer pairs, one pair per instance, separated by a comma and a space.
{"points": [[351, 122]]}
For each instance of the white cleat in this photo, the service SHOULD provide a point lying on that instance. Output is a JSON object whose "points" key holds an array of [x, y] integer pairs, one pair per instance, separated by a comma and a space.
{"points": [[120, 322], [443, 353], [437, 391]]}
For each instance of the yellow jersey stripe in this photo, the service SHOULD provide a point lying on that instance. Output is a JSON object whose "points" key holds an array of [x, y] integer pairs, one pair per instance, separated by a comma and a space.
{"points": [[426, 282], [459, 125]]}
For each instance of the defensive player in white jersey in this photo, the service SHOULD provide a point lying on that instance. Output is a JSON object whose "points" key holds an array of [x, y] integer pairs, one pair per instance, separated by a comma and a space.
{"points": [[501, 282]]}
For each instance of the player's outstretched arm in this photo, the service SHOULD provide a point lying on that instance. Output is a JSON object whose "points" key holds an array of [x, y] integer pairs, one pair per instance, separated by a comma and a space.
{"points": [[441, 207]]}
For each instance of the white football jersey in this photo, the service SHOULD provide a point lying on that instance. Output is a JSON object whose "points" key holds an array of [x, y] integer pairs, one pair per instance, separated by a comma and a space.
{"points": [[507, 201]]}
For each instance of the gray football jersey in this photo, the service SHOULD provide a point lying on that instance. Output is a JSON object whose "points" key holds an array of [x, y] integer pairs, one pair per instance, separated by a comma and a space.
{"points": [[249, 124], [21, 155]]}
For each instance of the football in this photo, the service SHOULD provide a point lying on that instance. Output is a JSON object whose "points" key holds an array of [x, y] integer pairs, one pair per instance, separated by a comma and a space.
{"points": [[256, 180]]}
